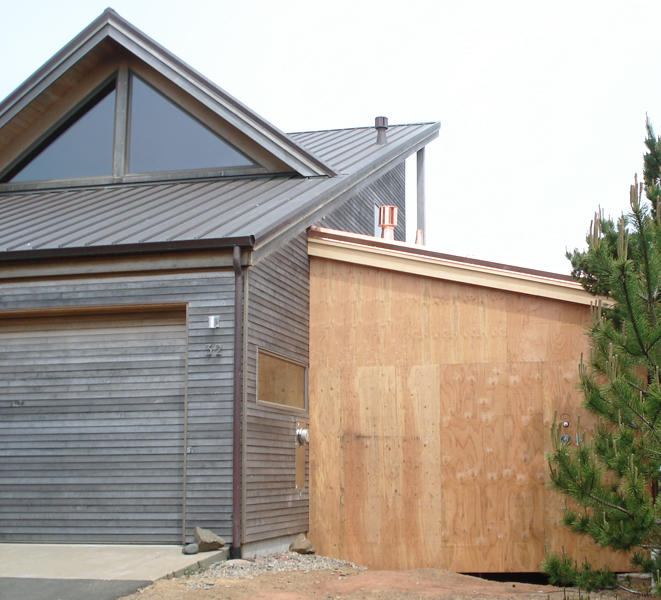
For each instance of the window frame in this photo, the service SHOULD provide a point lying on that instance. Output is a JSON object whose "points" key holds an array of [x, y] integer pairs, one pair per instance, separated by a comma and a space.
{"points": [[276, 405], [119, 172]]}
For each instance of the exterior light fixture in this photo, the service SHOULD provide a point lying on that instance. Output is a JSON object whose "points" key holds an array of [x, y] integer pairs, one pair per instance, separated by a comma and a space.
{"points": [[214, 321]]}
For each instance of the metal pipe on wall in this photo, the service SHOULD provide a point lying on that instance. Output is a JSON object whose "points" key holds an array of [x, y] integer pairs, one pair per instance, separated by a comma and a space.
{"points": [[421, 191], [235, 549]]}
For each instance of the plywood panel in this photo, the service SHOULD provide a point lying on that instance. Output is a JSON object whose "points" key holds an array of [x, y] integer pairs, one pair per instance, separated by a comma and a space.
{"points": [[491, 465], [326, 479], [440, 431]]}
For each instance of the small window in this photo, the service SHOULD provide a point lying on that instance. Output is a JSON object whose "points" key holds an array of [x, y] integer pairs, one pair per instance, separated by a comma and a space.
{"points": [[281, 381], [165, 138], [82, 148]]}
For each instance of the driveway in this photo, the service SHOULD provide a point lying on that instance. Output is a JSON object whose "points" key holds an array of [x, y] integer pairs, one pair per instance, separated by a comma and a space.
{"points": [[83, 571]]}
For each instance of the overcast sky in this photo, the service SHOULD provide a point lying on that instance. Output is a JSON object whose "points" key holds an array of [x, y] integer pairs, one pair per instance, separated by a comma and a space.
{"points": [[542, 104]]}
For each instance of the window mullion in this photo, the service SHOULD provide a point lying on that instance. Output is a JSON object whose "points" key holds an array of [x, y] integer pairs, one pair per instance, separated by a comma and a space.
{"points": [[120, 154]]}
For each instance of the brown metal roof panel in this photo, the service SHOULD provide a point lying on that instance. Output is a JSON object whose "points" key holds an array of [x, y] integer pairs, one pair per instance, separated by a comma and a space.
{"points": [[164, 200], [59, 227], [17, 210], [234, 216], [173, 204], [346, 148], [260, 218], [321, 142], [332, 145], [173, 223], [64, 211]]}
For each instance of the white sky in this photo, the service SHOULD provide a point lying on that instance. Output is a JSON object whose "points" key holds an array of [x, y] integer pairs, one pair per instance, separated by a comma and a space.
{"points": [[542, 103]]}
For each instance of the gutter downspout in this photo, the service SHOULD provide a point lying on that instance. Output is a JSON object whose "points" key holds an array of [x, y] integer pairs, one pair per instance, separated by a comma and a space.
{"points": [[235, 549], [420, 185]]}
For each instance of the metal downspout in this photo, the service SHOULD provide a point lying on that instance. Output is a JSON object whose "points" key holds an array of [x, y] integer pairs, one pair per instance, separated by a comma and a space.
{"points": [[235, 549]]}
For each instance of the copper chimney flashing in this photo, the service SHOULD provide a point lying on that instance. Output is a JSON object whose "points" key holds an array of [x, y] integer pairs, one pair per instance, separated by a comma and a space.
{"points": [[388, 221], [381, 126]]}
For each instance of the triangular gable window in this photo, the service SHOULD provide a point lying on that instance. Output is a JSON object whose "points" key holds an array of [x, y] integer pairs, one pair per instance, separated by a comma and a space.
{"points": [[165, 138], [160, 137], [83, 149]]}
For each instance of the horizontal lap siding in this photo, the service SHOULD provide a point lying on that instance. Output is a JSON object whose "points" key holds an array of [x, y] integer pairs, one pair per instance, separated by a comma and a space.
{"points": [[136, 390], [65, 431], [278, 295]]}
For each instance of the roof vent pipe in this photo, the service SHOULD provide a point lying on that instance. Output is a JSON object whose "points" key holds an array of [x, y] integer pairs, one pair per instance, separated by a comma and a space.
{"points": [[388, 221], [381, 126]]}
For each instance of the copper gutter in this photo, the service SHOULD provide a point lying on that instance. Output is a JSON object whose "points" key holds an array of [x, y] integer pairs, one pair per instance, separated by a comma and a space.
{"points": [[357, 239]]}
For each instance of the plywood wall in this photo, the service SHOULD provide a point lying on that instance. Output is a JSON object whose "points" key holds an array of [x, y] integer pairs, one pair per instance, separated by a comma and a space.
{"points": [[431, 404]]}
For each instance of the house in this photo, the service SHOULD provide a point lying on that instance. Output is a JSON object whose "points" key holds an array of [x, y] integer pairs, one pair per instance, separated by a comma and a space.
{"points": [[154, 296]]}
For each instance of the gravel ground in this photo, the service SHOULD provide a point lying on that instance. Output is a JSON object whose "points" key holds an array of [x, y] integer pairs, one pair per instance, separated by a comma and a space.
{"points": [[274, 563]]}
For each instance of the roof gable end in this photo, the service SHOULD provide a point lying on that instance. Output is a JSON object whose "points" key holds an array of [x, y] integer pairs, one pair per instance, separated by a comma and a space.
{"points": [[110, 30]]}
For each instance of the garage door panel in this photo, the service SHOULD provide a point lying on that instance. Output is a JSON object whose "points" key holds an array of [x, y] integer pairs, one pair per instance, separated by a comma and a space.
{"points": [[91, 423]]}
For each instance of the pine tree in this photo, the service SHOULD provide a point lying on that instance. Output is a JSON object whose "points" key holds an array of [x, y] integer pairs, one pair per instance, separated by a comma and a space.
{"points": [[613, 478], [652, 167]]}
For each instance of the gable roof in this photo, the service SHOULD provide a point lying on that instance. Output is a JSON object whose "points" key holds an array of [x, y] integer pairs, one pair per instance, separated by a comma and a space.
{"points": [[261, 211], [110, 26], [109, 219]]}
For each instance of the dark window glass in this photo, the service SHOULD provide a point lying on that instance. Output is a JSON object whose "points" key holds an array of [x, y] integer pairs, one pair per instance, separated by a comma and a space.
{"points": [[83, 149], [165, 138]]}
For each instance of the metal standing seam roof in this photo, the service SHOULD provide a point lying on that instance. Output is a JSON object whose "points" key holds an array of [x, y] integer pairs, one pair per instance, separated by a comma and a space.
{"points": [[92, 218]]}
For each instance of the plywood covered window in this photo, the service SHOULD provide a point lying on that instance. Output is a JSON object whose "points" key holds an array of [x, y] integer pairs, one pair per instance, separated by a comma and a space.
{"points": [[281, 381]]}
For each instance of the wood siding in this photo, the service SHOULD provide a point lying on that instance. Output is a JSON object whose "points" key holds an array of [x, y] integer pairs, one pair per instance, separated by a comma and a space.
{"points": [[357, 214], [208, 379], [278, 305], [431, 404], [92, 424]]}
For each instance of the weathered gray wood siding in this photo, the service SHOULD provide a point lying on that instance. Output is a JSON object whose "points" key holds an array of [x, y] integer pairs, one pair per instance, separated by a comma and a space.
{"points": [[357, 214], [278, 321], [209, 396], [91, 426], [278, 309]]}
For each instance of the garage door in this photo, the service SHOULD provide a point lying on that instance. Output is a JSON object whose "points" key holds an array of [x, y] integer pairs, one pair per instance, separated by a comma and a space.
{"points": [[91, 427]]}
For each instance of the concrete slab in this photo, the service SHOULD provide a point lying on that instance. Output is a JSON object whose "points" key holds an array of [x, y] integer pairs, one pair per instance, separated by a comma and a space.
{"points": [[12, 588], [95, 561]]}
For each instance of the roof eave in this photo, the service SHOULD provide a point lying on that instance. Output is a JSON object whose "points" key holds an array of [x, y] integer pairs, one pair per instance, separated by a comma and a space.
{"points": [[246, 242], [421, 261]]}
